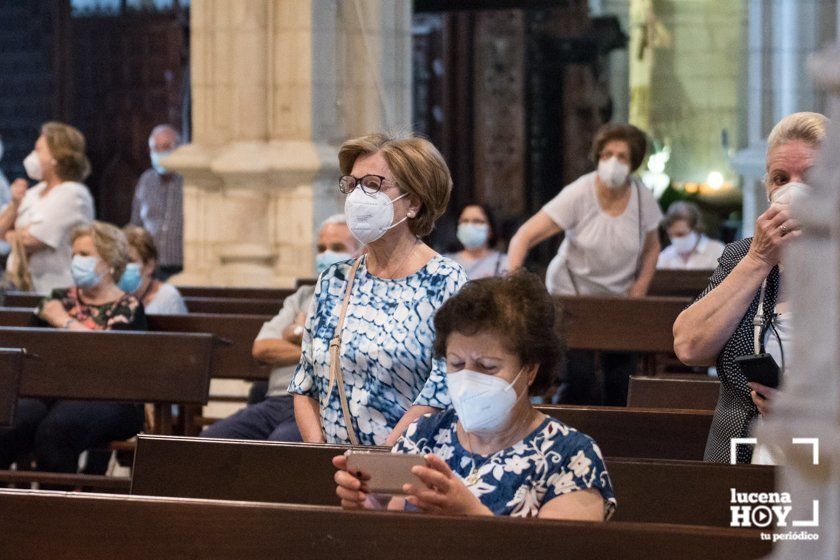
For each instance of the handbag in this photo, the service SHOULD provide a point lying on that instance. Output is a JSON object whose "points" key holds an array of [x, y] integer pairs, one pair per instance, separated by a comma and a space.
{"points": [[336, 375], [19, 275]]}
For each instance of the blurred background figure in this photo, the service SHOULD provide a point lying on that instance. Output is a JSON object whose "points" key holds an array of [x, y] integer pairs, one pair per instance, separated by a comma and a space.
{"points": [[690, 248], [158, 297], [477, 234], [158, 204], [37, 223]]}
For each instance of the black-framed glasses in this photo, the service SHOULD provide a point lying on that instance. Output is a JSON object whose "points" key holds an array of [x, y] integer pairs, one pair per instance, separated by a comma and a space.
{"points": [[371, 184]]}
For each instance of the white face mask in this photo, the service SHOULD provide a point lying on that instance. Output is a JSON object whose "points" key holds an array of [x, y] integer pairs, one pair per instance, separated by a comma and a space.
{"points": [[33, 167], [789, 192], [612, 172], [369, 216], [483, 402], [686, 243]]}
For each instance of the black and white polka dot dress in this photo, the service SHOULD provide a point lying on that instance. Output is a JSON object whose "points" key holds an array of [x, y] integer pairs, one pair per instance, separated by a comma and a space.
{"points": [[735, 410]]}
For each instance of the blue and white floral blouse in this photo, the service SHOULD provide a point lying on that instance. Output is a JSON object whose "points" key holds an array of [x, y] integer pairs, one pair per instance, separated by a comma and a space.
{"points": [[553, 460], [386, 347]]}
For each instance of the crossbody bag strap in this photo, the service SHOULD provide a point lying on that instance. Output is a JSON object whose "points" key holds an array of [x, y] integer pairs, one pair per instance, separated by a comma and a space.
{"points": [[336, 376]]}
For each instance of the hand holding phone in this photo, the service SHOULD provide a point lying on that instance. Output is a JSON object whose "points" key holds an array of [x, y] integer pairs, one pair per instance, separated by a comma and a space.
{"points": [[383, 473], [760, 368]]}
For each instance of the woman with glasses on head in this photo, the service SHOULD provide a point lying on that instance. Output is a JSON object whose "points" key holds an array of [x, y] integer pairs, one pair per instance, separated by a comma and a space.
{"points": [[611, 245], [367, 368]]}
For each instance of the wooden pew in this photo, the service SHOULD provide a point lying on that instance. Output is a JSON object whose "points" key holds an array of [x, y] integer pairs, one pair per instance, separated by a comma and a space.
{"points": [[644, 433], [276, 294], [113, 366], [11, 366], [195, 304], [664, 392], [621, 324], [681, 492], [106, 526], [231, 359], [682, 283], [233, 306]]}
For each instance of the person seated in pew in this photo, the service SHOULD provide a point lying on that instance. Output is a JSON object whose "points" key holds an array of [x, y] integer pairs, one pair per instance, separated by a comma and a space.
{"points": [[690, 248], [745, 310], [57, 431], [158, 297], [365, 385], [493, 453], [477, 233], [611, 243], [278, 344]]}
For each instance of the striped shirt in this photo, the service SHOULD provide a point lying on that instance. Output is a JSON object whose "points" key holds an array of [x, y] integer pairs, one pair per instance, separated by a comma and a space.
{"points": [[158, 207]]}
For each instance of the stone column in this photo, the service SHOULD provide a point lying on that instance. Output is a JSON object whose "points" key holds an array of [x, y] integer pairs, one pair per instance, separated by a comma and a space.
{"points": [[277, 85], [781, 35], [809, 407]]}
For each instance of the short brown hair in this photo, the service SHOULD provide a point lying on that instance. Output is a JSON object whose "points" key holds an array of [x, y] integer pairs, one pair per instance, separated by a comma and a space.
{"points": [[418, 169], [67, 146], [143, 243], [518, 309], [635, 138], [110, 243]]}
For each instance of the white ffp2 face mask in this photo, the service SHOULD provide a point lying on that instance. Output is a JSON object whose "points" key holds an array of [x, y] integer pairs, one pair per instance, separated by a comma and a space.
{"points": [[790, 192], [685, 243], [369, 216], [612, 172], [33, 167], [483, 402]]}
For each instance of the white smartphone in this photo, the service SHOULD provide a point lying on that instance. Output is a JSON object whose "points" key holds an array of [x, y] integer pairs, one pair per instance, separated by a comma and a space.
{"points": [[384, 473]]}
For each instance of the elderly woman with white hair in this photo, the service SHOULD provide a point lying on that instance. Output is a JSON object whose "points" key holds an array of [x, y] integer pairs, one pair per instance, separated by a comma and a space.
{"points": [[690, 248], [745, 310]]}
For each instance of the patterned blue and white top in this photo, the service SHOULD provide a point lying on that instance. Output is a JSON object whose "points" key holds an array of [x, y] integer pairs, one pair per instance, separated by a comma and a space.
{"points": [[386, 347], [553, 460]]}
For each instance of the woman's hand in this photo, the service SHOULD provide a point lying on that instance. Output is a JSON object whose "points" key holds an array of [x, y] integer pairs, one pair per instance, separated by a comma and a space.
{"points": [[18, 188], [762, 402], [351, 489], [773, 231], [53, 312], [443, 491]]}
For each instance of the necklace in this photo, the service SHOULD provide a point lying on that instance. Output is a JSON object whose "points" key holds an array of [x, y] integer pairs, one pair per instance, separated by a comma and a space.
{"points": [[473, 478]]}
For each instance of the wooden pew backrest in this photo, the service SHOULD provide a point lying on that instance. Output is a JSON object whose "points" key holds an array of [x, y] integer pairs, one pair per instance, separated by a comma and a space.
{"points": [[233, 306], [682, 492], [681, 283], [663, 392], [118, 366], [232, 359], [620, 324], [644, 433], [105, 526], [276, 294], [11, 367]]}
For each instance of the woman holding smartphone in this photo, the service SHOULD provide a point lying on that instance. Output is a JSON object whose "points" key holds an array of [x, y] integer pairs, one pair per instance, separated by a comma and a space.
{"points": [[493, 453], [745, 309]]}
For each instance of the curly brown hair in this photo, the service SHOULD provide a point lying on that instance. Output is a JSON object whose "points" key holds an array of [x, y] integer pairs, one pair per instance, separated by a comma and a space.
{"points": [[519, 310], [635, 138]]}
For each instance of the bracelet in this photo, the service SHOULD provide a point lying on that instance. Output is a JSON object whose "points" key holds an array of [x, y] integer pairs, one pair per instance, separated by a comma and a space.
{"points": [[68, 322]]}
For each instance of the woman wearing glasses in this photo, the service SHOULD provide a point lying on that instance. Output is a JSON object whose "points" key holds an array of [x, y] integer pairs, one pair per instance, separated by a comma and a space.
{"points": [[367, 368]]}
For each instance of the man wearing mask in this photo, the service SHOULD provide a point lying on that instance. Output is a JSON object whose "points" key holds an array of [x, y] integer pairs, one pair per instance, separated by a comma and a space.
{"points": [[278, 344], [158, 204]]}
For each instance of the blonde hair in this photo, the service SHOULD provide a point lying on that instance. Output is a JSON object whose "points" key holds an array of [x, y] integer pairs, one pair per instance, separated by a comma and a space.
{"points": [[110, 243], [418, 168], [142, 241], [67, 146], [808, 127]]}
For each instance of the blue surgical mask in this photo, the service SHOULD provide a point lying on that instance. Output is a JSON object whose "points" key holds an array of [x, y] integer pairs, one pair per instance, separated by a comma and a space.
{"points": [[473, 236], [131, 278], [156, 157], [327, 258], [84, 272]]}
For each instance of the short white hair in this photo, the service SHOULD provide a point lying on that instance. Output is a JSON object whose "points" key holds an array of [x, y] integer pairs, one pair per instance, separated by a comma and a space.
{"points": [[165, 128], [334, 219]]}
